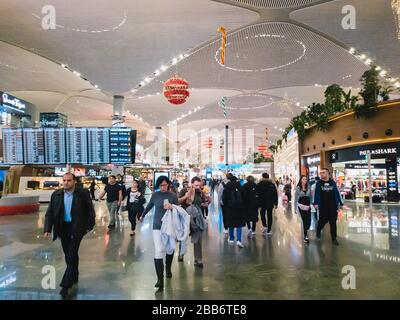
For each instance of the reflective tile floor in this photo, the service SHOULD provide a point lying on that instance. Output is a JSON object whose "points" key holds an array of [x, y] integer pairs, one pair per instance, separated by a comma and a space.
{"points": [[279, 266]]}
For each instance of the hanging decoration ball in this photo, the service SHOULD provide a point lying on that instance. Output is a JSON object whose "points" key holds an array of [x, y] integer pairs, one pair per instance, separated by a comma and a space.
{"points": [[208, 143], [262, 148], [176, 90]]}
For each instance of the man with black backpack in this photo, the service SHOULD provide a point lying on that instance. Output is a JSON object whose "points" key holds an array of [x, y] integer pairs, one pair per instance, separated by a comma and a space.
{"points": [[268, 196], [234, 211]]}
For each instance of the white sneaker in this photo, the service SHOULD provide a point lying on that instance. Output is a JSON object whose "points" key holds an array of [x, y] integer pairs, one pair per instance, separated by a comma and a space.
{"points": [[269, 233], [226, 231], [239, 244], [264, 230], [250, 234], [231, 241], [253, 233]]}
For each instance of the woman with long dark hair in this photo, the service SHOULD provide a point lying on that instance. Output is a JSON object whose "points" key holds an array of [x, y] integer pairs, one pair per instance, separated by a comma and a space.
{"points": [[302, 205], [135, 204], [162, 201]]}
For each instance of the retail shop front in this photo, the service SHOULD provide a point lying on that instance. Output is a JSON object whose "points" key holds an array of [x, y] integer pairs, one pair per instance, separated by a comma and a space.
{"points": [[343, 149], [350, 167]]}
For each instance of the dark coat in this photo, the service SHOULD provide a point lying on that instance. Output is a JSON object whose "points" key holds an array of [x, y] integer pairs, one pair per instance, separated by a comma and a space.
{"points": [[135, 206], [82, 213], [234, 218], [250, 201], [267, 193]]}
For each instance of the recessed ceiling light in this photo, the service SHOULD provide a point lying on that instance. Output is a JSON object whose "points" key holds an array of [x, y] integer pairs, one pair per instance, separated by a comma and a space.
{"points": [[163, 68], [142, 83], [297, 104], [352, 50], [378, 68], [363, 56]]}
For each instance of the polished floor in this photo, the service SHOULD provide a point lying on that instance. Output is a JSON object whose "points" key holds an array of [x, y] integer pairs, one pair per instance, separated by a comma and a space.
{"points": [[279, 266]]}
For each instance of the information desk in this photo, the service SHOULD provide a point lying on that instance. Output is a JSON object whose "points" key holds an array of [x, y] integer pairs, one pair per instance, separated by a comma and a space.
{"points": [[19, 204], [43, 187]]}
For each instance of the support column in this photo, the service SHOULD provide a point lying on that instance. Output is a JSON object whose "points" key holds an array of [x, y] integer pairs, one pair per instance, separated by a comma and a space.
{"points": [[226, 147], [118, 111]]}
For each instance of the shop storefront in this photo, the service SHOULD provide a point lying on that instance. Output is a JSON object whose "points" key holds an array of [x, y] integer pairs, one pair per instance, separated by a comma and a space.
{"points": [[350, 168]]}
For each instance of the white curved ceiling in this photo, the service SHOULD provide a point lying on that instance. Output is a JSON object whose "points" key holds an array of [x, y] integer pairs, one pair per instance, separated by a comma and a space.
{"points": [[279, 58]]}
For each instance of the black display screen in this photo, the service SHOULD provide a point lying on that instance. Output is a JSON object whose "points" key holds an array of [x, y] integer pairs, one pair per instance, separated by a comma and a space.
{"points": [[122, 145], [55, 146], [77, 145], [33, 146], [13, 149], [98, 145]]}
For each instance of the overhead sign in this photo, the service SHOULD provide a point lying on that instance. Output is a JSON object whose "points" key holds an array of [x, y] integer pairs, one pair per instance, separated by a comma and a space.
{"points": [[377, 151], [12, 104]]}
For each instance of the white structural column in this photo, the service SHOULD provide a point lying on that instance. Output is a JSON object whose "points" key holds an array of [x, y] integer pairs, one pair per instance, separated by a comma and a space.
{"points": [[118, 111]]}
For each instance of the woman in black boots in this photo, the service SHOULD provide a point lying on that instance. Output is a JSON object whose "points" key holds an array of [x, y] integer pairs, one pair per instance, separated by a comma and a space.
{"points": [[302, 205], [162, 200]]}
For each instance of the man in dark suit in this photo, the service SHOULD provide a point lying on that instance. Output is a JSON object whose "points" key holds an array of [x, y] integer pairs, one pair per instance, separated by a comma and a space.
{"points": [[70, 215]]}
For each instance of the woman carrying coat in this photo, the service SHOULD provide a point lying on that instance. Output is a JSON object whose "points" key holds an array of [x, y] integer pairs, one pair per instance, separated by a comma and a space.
{"points": [[250, 204]]}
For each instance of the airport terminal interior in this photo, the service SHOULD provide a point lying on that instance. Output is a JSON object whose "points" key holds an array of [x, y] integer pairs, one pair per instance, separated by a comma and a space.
{"points": [[199, 149]]}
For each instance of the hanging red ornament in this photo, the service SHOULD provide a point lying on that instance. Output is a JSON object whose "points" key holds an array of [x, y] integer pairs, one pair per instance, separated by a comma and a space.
{"points": [[176, 90], [208, 143], [262, 148]]}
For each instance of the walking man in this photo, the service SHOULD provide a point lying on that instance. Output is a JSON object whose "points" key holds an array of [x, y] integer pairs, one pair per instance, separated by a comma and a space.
{"points": [[70, 216], [114, 198], [327, 200], [268, 197]]}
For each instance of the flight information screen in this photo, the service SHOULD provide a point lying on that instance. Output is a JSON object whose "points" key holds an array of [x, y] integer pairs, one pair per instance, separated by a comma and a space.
{"points": [[122, 145], [54, 146], [13, 152], [77, 146], [33, 145], [98, 145]]}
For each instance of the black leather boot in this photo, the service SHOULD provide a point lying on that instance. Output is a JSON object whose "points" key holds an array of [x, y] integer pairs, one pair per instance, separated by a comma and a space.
{"points": [[168, 263], [159, 265]]}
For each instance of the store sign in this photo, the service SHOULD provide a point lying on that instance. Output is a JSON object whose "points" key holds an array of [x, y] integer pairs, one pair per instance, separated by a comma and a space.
{"points": [[377, 151], [364, 166], [313, 160], [13, 103]]}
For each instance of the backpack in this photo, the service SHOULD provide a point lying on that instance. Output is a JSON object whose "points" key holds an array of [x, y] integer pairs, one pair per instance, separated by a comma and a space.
{"points": [[235, 200], [253, 197]]}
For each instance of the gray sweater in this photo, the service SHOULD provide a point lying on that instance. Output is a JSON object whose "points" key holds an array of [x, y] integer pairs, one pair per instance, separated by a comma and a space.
{"points": [[157, 201]]}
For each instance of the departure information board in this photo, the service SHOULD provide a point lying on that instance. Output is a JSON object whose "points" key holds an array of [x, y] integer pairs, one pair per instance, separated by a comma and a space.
{"points": [[77, 146], [98, 145], [122, 145], [33, 146], [54, 146], [13, 152]]}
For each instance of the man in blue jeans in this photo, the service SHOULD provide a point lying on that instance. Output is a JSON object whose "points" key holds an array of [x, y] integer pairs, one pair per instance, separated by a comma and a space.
{"points": [[327, 200]]}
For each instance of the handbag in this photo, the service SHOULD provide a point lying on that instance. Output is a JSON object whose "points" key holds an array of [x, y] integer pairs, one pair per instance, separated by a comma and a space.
{"points": [[303, 207]]}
